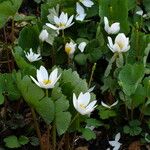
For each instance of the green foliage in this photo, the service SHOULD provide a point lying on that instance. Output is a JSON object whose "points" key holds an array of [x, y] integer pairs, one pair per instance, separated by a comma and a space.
{"points": [[8, 85], [88, 134], [133, 128], [73, 79], [106, 113], [62, 117], [8, 8], [29, 37], [43, 105], [14, 142], [130, 76]]}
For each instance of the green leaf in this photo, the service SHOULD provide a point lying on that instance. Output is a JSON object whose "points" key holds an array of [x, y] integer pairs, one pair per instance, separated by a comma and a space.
{"points": [[80, 59], [12, 142], [138, 97], [63, 118], [88, 134], [93, 122], [29, 37], [23, 140], [130, 76], [134, 128], [73, 79], [45, 108], [109, 84], [43, 105], [105, 113], [93, 50], [8, 8]]}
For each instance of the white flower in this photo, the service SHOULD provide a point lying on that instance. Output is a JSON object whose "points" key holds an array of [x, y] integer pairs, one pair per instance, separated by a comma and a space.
{"points": [[45, 81], [140, 12], [31, 56], [109, 106], [70, 48], [62, 22], [80, 12], [43, 35], [121, 43], [87, 3], [113, 29], [116, 144], [82, 104], [82, 46]]}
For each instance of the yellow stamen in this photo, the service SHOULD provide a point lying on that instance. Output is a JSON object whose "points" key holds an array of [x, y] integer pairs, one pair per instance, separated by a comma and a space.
{"points": [[68, 49], [61, 25], [82, 106], [121, 45], [47, 82]]}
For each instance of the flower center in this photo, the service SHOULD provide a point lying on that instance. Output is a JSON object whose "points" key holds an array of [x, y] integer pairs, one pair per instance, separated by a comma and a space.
{"points": [[47, 82], [61, 25], [68, 50], [120, 44], [82, 106]]}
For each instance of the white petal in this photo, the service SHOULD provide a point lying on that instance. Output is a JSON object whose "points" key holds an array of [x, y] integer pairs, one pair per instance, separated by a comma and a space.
{"points": [[79, 9], [43, 35], [117, 146], [75, 101], [113, 143], [91, 105], [56, 20], [110, 41], [80, 17], [116, 48], [52, 26], [53, 75], [115, 28], [105, 105], [114, 104], [82, 46], [68, 24], [36, 82], [87, 3], [54, 82], [84, 99], [117, 137], [120, 38], [106, 24], [42, 74], [140, 12], [91, 89]]}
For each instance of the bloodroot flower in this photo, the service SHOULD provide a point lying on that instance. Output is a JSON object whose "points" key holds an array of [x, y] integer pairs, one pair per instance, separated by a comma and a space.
{"points": [[113, 29], [121, 43], [45, 81], [70, 48], [62, 22], [82, 104], [31, 56]]}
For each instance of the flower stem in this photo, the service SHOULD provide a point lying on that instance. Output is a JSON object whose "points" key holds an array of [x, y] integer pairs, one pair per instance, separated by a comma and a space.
{"points": [[37, 128], [63, 35], [46, 92], [92, 73]]}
